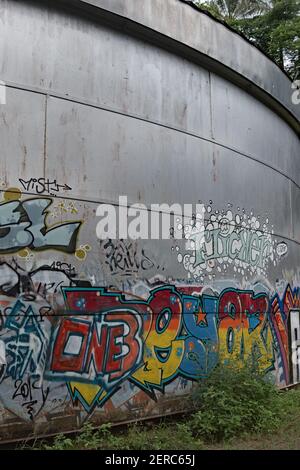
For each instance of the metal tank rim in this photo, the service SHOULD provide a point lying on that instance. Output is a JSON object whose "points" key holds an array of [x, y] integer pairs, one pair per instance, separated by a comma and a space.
{"points": [[235, 31], [197, 36]]}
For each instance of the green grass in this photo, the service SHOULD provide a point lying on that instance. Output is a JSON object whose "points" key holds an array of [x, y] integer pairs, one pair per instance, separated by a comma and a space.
{"points": [[178, 435], [162, 436]]}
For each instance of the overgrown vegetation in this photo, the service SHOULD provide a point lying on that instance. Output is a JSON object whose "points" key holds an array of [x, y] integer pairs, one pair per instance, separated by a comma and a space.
{"points": [[232, 404], [235, 402]]}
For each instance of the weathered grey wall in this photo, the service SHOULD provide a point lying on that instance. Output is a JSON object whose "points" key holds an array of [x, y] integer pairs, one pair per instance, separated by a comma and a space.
{"points": [[149, 102]]}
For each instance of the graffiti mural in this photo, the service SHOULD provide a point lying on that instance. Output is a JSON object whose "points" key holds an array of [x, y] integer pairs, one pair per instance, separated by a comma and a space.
{"points": [[23, 225], [105, 337], [101, 331]]}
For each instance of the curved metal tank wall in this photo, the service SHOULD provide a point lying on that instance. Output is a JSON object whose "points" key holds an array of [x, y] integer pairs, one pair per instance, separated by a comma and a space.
{"points": [[164, 105]]}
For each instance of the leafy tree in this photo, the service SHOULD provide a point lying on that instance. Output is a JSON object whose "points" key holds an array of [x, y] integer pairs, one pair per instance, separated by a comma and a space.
{"points": [[230, 10], [273, 25], [277, 32]]}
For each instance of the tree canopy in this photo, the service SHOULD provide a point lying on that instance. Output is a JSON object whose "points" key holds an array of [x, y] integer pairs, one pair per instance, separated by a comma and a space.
{"points": [[273, 25]]}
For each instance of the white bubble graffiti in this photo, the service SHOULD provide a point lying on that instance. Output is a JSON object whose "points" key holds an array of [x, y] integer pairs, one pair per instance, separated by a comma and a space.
{"points": [[223, 241]]}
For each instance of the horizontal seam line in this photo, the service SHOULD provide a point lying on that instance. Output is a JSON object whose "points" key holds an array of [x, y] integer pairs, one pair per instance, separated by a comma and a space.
{"points": [[149, 121], [37, 196]]}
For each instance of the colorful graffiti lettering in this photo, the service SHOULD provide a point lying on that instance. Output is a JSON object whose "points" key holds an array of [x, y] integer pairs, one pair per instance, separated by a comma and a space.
{"points": [[105, 338], [103, 345], [280, 309], [23, 225], [163, 346], [201, 344], [243, 329], [26, 340]]}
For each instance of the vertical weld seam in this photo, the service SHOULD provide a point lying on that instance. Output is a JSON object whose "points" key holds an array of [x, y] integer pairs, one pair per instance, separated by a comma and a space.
{"points": [[291, 208], [210, 107], [45, 135]]}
